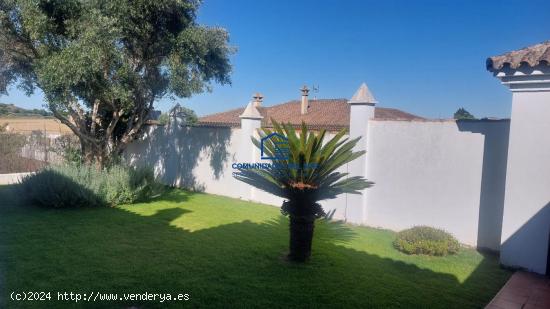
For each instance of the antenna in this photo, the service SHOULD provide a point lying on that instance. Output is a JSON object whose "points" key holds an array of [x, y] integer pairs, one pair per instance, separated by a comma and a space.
{"points": [[315, 90]]}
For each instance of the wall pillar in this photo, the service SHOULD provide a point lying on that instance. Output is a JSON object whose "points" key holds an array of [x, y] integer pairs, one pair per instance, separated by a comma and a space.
{"points": [[251, 121], [526, 218], [361, 111]]}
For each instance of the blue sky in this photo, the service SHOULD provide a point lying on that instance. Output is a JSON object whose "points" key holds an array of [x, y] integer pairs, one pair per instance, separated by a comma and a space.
{"points": [[424, 57]]}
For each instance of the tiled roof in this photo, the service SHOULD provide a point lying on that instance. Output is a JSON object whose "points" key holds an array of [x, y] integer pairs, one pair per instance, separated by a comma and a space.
{"points": [[330, 114], [531, 56]]}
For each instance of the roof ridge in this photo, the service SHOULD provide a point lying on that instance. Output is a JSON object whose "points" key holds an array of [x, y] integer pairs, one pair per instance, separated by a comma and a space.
{"points": [[227, 111], [323, 113], [524, 48]]}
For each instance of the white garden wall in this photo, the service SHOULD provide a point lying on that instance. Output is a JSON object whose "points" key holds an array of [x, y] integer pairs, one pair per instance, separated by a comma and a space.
{"points": [[464, 176], [201, 158], [8, 179], [444, 174], [196, 158]]}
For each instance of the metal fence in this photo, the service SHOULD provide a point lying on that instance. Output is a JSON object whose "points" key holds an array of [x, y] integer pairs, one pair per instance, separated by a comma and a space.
{"points": [[21, 152]]}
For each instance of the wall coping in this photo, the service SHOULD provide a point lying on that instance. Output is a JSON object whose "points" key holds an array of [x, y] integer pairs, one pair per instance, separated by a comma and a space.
{"points": [[441, 120]]}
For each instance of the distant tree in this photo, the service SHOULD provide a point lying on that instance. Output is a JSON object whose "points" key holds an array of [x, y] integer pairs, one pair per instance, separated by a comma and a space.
{"points": [[183, 114], [463, 114], [163, 118], [103, 64], [12, 110]]}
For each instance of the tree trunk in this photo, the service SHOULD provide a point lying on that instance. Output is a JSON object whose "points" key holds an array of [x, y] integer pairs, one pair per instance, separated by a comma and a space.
{"points": [[301, 236], [94, 155], [87, 152], [100, 161]]}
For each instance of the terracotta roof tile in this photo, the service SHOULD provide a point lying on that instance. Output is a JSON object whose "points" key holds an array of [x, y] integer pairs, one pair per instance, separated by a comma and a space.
{"points": [[331, 114], [532, 56]]}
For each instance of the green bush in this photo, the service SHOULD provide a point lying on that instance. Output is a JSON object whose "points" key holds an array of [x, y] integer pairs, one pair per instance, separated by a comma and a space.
{"points": [[51, 188], [75, 186], [68, 147], [426, 240]]}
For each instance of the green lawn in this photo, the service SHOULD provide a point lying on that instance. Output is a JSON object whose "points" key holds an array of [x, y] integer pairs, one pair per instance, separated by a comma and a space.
{"points": [[224, 253]]}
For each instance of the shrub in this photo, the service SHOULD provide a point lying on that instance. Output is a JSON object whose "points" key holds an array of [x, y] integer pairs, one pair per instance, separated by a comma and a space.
{"points": [[426, 240], [124, 185], [75, 186], [67, 146], [51, 188]]}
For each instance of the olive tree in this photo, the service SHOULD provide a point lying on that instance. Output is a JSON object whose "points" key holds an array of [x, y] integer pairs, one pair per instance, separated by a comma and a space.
{"points": [[103, 64]]}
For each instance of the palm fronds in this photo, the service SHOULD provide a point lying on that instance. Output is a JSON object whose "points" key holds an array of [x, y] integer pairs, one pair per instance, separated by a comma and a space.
{"points": [[307, 170]]}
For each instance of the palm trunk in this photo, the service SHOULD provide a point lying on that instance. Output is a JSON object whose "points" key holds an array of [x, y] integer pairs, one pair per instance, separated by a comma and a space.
{"points": [[301, 236]]}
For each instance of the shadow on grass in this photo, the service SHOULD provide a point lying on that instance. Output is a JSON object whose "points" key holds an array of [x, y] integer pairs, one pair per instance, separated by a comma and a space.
{"points": [[112, 250], [171, 195]]}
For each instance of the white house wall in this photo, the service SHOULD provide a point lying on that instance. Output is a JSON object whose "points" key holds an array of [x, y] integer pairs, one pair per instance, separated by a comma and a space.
{"points": [[526, 229]]}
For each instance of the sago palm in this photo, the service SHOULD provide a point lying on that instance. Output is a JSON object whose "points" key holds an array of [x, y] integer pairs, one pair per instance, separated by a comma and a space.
{"points": [[303, 171]]}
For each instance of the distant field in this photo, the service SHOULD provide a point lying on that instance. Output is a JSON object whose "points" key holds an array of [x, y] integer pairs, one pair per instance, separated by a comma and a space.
{"points": [[26, 125]]}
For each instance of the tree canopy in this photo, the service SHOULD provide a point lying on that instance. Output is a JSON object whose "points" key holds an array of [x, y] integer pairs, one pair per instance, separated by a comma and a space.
{"points": [[182, 114], [463, 114], [103, 64]]}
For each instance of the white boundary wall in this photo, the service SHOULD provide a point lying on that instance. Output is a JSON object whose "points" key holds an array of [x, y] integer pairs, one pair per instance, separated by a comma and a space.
{"points": [[426, 173], [440, 174], [201, 158], [484, 181], [8, 179], [195, 158]]}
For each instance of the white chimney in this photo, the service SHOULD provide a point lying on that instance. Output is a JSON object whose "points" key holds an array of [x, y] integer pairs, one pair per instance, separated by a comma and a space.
{"points": [[258, 99], [305, 103]]}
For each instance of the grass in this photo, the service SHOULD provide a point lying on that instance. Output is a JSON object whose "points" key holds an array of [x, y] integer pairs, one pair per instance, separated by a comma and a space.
{"points": [[224, 253]]}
